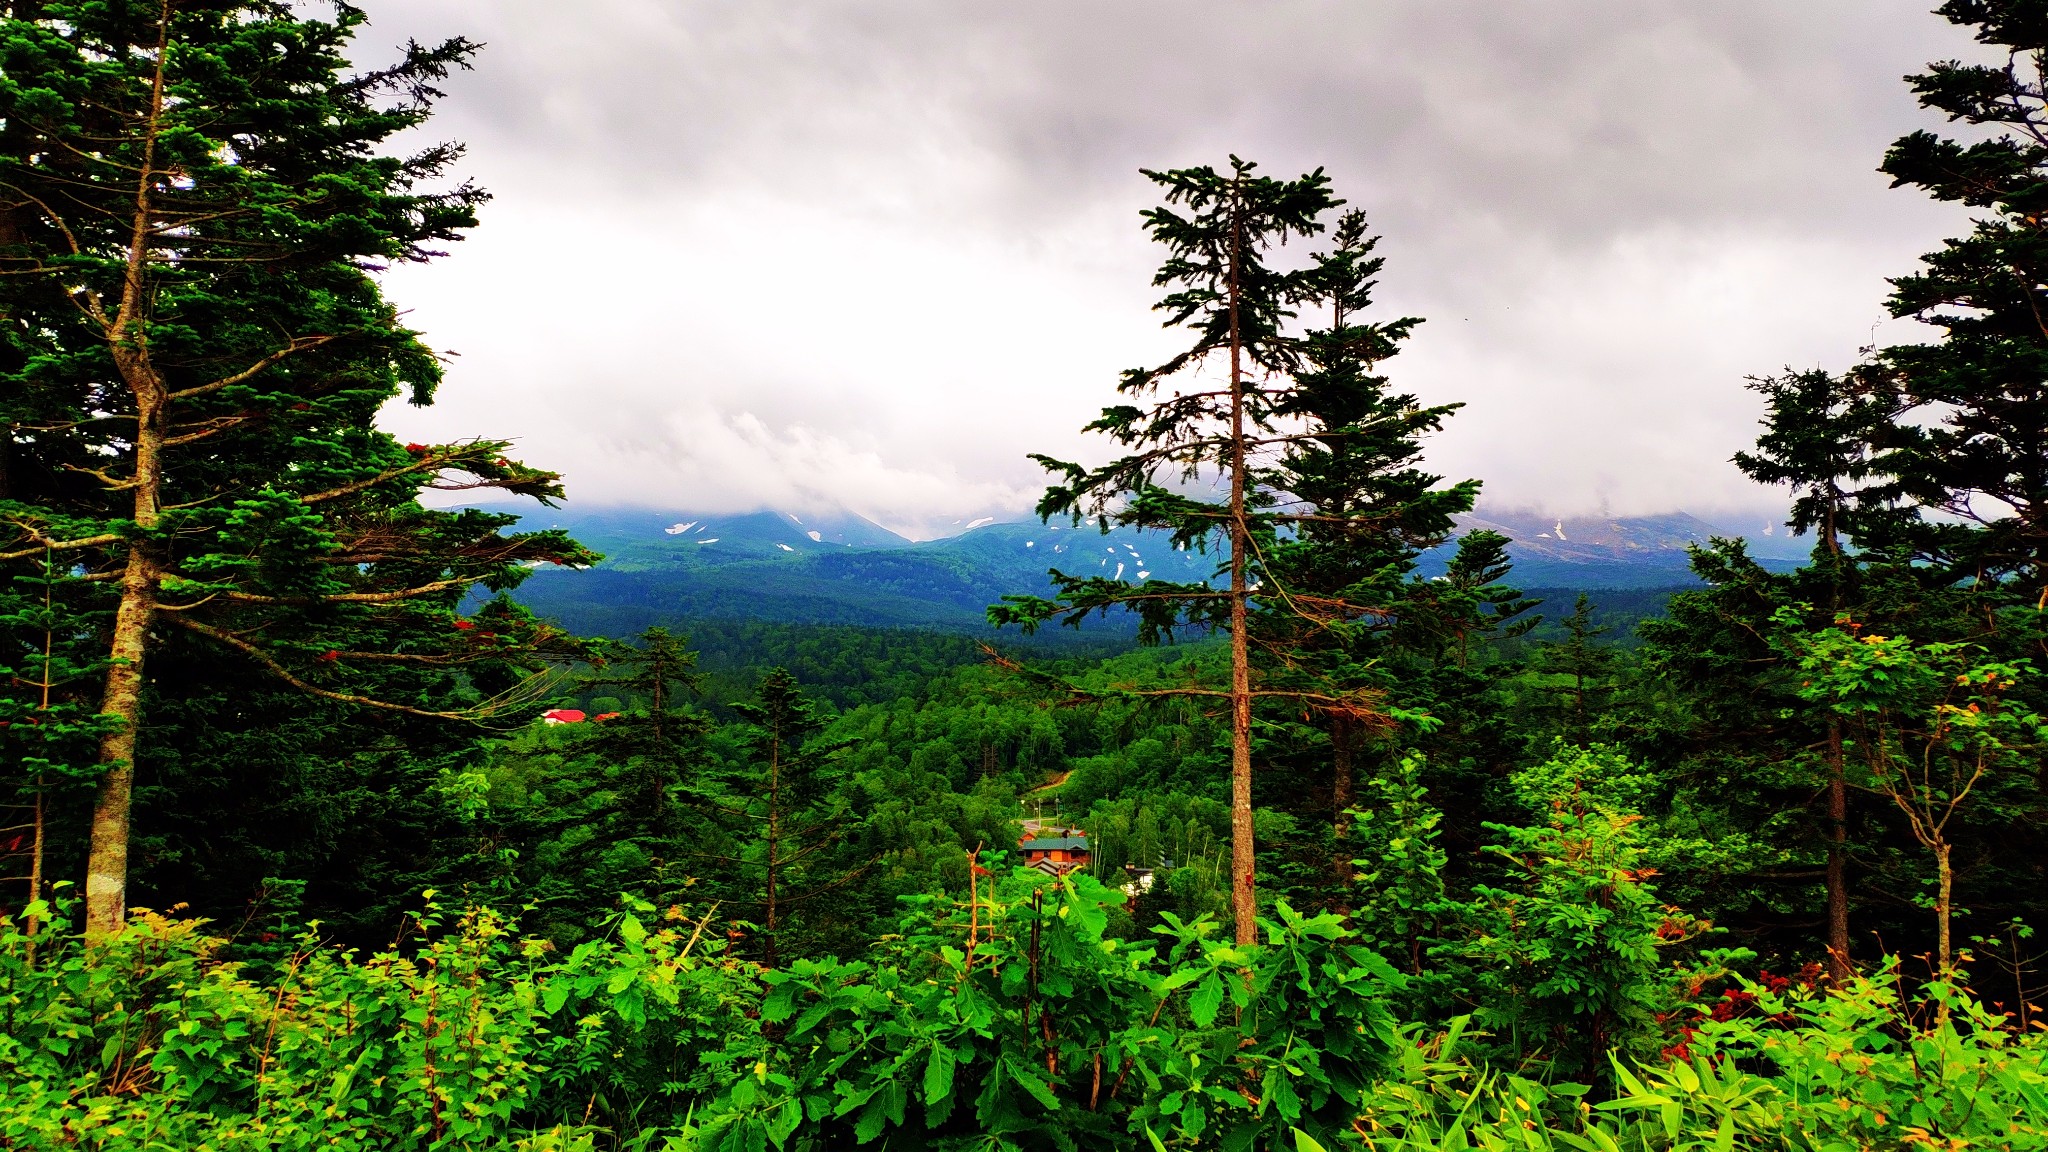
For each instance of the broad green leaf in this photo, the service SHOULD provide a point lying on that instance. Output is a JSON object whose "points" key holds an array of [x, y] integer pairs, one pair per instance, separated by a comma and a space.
{"points": [[1032, 1082], [938, 1075], [1206, 1000]]}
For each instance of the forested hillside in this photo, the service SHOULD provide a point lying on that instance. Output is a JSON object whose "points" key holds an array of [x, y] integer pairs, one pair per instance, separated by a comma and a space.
{"points": [[1279, 810], [659, 567]]}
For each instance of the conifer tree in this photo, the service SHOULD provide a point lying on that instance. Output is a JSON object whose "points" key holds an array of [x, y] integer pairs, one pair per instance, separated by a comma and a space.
{"points": [[1584, 663], [1472, 601], [785, 808], [1924, 470], [1367, 509], [1969, 445], [1972, 435], [1824, 437], [194, 202], [655, 732], [1230, 429]]}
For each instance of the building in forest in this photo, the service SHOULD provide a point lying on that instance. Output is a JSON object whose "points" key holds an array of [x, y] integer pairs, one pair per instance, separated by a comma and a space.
{"points": [[1055, 855]]}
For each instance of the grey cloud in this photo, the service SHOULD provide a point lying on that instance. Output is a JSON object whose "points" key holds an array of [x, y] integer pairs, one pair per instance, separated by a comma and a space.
{"points": [[900, 237]]}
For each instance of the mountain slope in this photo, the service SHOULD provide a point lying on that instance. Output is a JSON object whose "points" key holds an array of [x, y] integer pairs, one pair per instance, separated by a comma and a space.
{"points": [[1609, 552], [641, 540], [840, 568]]}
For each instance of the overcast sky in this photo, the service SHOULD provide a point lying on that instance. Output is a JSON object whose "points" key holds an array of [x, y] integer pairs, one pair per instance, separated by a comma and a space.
{"points": [[870, 254]]}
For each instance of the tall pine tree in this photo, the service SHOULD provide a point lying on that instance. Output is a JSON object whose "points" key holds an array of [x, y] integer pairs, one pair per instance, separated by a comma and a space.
{"points": [[1972, 439], [1208, 462], [1365, 510], [195, 199]]}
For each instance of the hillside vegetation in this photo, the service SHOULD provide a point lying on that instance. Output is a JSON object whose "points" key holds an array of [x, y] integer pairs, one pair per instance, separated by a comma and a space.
{"points": [[339, 820]]}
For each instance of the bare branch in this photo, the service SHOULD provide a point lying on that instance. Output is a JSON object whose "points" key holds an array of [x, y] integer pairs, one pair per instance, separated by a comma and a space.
{"points": [[298, 344], [517, 697], [423, 464], [45, 544], [100, 474], [348, 597], [206, 428]]}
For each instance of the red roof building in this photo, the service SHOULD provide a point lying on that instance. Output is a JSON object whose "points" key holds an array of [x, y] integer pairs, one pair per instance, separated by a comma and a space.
{"points": [[1056, 855]]}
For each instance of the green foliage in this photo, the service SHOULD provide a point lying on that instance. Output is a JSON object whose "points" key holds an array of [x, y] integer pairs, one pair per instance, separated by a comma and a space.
{"points": [[1579, 669], [784, 812], [465, 1037], [198, 199], [1009, 1021], [1487, 831], [1016, 1023], [1564, 950], [1968, 431], [1219, 230], [1936, 727], [1401, 878], [1797, 1071]]}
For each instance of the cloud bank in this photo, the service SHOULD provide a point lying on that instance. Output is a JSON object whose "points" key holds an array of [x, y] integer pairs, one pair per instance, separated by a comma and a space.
{"points": [[873, 253]]}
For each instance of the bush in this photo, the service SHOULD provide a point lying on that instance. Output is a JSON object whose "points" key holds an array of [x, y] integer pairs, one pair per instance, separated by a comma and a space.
{"points": [[1008, 1021], [465, 1037], [1803, 1070]]}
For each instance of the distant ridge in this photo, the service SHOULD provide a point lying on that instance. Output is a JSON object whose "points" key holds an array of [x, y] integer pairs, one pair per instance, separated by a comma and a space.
{"points": [[1615, 551], [839, 567], [641, 539]]}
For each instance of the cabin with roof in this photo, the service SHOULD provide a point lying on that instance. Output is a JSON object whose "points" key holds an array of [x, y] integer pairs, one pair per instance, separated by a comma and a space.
{"points": [[1056, 855]]}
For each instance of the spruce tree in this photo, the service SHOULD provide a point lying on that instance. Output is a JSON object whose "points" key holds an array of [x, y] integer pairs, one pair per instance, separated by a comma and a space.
{"points": [[655, 734], [1231, 430], [784, 809], [195, 200], [1972, 437], [1825, 437], [1366, 511], [1473, 602], [1585, 664], [1923, 471]]}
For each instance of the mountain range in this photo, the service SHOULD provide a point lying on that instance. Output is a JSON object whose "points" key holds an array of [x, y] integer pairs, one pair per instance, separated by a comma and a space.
{"points": [[837, 567]]}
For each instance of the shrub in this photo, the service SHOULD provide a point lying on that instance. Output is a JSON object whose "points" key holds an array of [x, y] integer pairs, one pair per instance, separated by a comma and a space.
{"points": [[464, 1037]]}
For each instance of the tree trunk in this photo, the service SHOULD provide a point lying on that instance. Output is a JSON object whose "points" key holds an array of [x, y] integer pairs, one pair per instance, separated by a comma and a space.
{"points": [[1243, 860], [774, 835], [35, 872], [1838, 863], [106, 865], [1838, 794], [1946, 876], [1343, 785], [48, 681]]}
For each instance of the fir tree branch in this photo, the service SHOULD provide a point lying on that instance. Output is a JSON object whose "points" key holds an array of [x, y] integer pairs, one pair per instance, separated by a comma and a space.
{"points": [[424, 464], [515, 697], [44, 543], [298, 344], [100, 474], [349, 597], [206, 429]]}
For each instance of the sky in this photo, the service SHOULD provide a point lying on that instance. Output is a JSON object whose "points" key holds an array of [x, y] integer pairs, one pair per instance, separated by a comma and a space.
{"points": [[815, 254]]}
